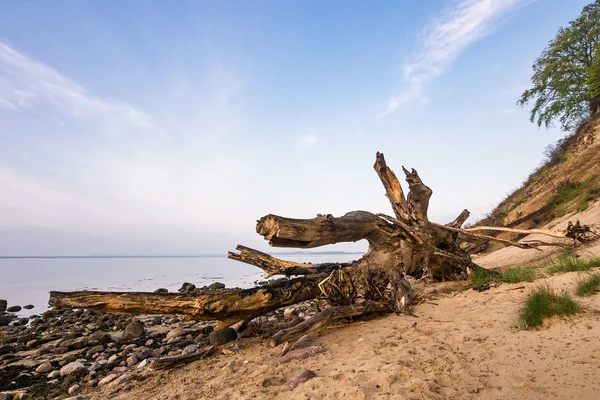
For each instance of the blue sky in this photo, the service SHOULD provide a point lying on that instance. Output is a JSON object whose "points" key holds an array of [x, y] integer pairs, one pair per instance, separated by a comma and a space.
{"points": [[171, 127]]}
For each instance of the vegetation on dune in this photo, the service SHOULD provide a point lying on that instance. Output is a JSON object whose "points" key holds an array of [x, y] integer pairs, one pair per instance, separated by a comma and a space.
{"points": [[482, 278], [588, 285], [544, 302], [565, 76], [571, 264]]}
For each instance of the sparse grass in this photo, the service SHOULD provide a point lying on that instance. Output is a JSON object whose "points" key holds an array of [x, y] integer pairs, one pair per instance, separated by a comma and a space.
{"points": [[447, 289], [589, 285], [570, 264], [516, 275], [544, 302], [480, 278]]}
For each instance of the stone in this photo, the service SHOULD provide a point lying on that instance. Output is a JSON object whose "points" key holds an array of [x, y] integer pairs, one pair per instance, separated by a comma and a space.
{"points": [[3, 396], [73, 389], [177, 332], [122, 379], [95, 350], [3, 305], [32, 343], [143, 364], [216, 286], [53, 375], [71, 368], [217, 338], [14, 309], [290, 313], [134, 330], [107, 379], [132, 360], [149, 342], [6, 349], [191, 349], [161, 290], [187, 287], [44, 368], [101, 337], [298, 379], [28, 306], [6, 319]]}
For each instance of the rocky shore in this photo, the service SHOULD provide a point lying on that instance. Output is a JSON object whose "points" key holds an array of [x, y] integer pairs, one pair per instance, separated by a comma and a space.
{"points": [[63, 353]]}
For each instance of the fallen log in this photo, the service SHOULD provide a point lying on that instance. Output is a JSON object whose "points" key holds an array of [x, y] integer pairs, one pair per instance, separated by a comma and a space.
{"points": [[177, 361], [403, 245]]}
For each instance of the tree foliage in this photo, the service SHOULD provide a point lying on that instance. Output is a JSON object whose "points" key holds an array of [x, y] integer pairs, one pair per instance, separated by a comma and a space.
{"points": [[566, 75]]}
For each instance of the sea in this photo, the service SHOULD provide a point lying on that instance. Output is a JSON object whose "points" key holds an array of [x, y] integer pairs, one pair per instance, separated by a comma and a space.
{"points": [[29, 280]]}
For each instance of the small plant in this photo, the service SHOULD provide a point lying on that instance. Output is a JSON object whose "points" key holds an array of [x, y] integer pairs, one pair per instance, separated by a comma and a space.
{"points": [[516, 275], [447, 289], [544, 302], [570, 264], [589, 285], [481, 278]]}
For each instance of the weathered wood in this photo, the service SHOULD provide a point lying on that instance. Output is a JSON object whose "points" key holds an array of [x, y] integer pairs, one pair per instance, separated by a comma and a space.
{"points": [[177, 361], [393, 190], [227, 306], [275, 266], [324, 317], [546, 232]]}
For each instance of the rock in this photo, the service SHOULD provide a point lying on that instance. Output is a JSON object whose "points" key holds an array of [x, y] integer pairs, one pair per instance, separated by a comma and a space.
{"points": [[6, 349], [143, 363], [14, 309], [73, 389], [187, 287], [149, 342], [101, 337], [32, 343], [53, 375], [161, 290], [132, 360], [191, 349], [6, 319], [134, 330], [290, 313], [44, 368], [95, 350], [218, 338], [28, 306], [71, 368], [302, 353], [122, 379], [112, 358], [216, 286], [107, 379], [3, 396], [3, 305], [177, 332], [298, 379]]}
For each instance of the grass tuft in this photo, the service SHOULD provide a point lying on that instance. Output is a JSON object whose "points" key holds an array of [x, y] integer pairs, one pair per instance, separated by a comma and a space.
{"points": [[480, 278], [589, 285], [570, 264], [544, 302], [516, 275]]}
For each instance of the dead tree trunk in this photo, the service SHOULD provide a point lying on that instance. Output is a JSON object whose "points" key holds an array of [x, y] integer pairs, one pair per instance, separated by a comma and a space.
{"points": [[406, 244]]}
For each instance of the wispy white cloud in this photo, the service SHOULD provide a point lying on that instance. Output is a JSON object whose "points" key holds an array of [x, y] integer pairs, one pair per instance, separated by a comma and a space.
{"points": [[306, 140], [444, 39], [26, 83]]}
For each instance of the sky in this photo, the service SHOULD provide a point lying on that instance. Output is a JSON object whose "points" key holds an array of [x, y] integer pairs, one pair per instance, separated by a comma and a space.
{"points": [[158, 127]]}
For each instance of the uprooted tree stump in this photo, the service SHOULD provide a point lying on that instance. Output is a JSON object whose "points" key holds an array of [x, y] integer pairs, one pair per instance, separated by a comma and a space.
{"points": [[400, 246]]}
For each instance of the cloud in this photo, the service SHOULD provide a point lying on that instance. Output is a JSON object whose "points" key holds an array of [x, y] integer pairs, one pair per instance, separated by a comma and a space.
{"points": [[444, 39], [26, 83], [307, 140]]}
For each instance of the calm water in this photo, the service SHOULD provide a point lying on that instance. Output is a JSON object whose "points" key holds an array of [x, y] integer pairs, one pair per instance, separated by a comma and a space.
{"points": [[28, 281]]}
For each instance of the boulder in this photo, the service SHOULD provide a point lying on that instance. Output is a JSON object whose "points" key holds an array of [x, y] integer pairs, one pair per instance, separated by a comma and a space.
{"points": [[3, 305], [28, 306], [14, 309], [101, 337], [217, 338], [134, 330]]}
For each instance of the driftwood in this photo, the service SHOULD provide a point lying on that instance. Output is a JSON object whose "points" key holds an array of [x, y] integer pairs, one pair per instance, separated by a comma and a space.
{"points": [[405, 244], [177, 361]]}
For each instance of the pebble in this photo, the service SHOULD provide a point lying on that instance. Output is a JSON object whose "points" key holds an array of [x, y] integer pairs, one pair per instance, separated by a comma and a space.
{"points": [[107, 379], [191, 349], [298, 379], [143, 364], [73, 389], [74, 367], [53, 374], [218, 338], [14, 309], [177, 332], [133, 330], [28, 306], [44, 368]]}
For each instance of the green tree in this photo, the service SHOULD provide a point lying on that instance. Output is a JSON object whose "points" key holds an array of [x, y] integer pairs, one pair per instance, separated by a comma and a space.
{"points": [[594, 80], [563, 76]]}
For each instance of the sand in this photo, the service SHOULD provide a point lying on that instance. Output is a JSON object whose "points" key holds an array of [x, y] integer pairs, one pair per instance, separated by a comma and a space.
{"points": [[459, 344]]}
